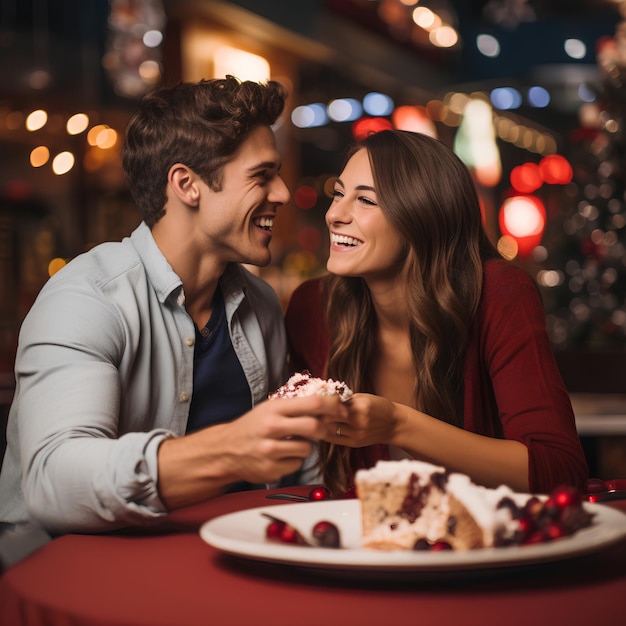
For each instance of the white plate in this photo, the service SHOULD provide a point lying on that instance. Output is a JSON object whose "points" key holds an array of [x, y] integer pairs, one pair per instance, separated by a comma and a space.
{"points": [[243, 534]]}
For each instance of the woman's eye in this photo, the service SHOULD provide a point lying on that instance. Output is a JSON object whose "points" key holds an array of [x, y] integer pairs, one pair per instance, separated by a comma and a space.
{"points": [[336, 193], [367, 201]]}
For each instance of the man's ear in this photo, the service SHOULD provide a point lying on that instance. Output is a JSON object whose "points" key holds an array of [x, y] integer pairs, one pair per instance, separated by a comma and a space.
{"points": [[184, 183]]}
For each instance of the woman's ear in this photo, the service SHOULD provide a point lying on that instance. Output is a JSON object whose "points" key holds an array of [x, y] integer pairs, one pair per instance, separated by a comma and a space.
{"points": [[184, 184]]}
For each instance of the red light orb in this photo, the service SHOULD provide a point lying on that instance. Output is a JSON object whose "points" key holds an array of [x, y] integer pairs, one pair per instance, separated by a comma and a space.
{"points": [[523, 217], [309, 238], [526, 178], [305, 197], [369, 126], [414, 119], [556, 169]]}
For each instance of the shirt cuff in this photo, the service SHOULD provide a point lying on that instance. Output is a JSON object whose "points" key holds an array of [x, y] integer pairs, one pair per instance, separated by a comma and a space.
{"points": [[153, 501]]}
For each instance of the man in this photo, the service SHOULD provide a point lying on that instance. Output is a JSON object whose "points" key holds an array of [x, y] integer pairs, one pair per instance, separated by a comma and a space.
{"points": [[143, 365]]}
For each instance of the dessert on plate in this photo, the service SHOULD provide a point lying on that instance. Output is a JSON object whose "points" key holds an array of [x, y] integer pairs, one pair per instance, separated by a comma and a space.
{"points": [[413, 505]]}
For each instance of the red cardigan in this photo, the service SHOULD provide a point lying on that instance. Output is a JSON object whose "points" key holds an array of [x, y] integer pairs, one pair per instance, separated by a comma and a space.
{"points": [[512, 388]]}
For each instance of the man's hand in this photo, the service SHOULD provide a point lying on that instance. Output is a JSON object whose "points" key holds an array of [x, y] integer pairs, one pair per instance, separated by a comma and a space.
{"points": [[270, 441]]}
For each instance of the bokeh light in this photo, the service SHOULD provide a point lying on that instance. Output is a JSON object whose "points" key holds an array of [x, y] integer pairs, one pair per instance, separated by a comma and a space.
{"points": [[309, 238], [370, 125], [55, 265], [305, 197], [376, 104], [344, 110], [526, 178], [309, 115], [77, 124], [524, 219], [575, 48], [62, 163], [488, 45], [538, 97], [39, 156], [506, 98], [556, 170], [152, 38], [414, 119], [36, 120]]}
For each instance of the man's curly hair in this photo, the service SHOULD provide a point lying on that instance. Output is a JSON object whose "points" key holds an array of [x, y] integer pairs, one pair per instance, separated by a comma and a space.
{"points": [[199, 124]]}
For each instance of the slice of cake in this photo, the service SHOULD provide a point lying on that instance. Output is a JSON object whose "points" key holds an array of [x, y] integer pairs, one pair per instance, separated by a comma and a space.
{"points": [[303, 384], [413, 505]]}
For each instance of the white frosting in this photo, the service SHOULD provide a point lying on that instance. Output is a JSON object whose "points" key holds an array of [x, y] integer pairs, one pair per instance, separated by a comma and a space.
{"points": [[303, 384], [398, 471], [480, 502]]}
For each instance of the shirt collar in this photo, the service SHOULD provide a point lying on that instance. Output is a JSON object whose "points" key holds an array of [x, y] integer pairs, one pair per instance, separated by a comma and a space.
{"points": [[165, 280]]}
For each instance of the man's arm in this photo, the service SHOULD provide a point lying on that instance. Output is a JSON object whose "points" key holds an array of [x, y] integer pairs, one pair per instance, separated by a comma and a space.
{"points": [[267, 443]]}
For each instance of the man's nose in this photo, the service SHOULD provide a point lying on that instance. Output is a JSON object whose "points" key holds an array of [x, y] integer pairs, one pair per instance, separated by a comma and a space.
{"points": [[279, 193]]}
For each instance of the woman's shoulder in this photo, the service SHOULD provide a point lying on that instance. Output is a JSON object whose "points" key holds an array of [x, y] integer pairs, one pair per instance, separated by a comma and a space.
{"points": [[311, 288], [502, 275], [305, 321], [307, 295]]}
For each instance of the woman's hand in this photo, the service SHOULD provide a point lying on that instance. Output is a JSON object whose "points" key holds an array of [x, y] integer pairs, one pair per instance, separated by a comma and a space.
{"points": [[371, 420]]}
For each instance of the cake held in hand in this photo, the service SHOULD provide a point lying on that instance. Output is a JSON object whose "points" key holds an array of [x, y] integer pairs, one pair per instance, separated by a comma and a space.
{"points": [[303, 384], [413, 505]]}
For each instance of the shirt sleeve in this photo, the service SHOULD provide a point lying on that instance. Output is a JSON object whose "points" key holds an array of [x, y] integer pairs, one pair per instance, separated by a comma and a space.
{"points": [[532, 401], [79, 472]]}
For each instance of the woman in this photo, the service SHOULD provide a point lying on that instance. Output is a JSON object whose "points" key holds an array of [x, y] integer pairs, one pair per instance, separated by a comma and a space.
{"points": [[444, 340]]}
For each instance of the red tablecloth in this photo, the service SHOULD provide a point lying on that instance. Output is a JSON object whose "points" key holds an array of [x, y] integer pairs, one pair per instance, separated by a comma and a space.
{"points": [[171, 576]]}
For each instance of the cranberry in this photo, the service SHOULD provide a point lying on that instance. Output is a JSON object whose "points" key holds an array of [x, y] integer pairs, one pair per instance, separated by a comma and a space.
{"points": [[538, 536], [279, 530], [290, 535], [555, 530], [319, 493], [274, 530], [574, 518], [527, 526], [565, 496], [326, 534], [440, 546], [532, 508]]}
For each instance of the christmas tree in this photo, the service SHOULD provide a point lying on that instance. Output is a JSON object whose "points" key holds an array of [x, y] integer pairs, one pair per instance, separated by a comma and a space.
{"points": [[584, 273]]}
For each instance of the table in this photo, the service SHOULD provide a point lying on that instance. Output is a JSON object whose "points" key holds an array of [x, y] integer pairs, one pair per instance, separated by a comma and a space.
{"points": [[599, 414], [168, 575]]}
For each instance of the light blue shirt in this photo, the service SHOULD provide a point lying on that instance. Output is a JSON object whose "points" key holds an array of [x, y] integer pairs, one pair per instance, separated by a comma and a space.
{"points": [[104, 373]]}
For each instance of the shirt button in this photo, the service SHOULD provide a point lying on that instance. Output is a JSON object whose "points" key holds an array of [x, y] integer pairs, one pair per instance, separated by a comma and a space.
{"points": [[204, 331], [184, 396], [189, 341]]}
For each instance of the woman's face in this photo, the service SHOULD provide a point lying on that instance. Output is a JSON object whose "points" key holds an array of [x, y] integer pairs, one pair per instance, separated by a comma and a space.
{"points": [[362, 241]]}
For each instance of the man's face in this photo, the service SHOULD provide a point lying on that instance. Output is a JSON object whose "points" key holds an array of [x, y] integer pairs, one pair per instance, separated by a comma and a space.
{"points": [[238, 220]]}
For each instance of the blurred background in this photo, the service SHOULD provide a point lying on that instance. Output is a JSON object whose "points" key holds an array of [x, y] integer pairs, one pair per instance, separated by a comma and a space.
{"points": [[530, 94]]}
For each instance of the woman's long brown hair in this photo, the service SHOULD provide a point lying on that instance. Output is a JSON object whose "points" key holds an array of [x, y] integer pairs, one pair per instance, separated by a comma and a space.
{"points": [[428, 195]]}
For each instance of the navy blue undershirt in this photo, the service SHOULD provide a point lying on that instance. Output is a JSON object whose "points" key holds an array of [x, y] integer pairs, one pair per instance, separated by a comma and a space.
{"points": [[220, 389]]}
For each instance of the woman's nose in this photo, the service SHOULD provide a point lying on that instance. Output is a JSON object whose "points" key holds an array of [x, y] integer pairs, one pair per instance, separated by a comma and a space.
{"points": [[337, 212]]}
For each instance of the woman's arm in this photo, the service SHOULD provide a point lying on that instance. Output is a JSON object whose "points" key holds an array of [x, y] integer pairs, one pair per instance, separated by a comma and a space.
{"points": [[487, 460], [518, 425], [514, 389]]}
